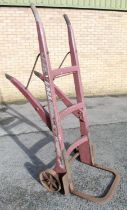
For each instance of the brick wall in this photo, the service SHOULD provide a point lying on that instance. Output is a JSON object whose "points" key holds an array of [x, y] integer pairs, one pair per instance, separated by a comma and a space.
{"points": [[101, 38]]}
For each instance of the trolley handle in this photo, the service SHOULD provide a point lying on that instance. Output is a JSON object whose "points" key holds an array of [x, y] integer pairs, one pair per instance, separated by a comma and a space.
{"points": [[67, 19], [35, 13]]}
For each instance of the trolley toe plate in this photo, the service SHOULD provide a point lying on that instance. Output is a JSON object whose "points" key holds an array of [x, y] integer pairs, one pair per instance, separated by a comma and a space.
{"points": [[105, 197]]}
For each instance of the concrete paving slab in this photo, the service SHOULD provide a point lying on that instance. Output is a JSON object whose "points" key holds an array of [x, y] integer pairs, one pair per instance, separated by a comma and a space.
{"points": [[100, 110], [24, 152]]}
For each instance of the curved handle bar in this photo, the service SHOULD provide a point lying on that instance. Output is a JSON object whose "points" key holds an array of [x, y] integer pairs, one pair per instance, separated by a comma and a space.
{"points": [[67, 19], [107, 196], [35, 13]]}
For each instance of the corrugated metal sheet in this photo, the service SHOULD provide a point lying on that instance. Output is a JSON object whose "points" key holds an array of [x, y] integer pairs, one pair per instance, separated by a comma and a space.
{"points": [[93, 4]]}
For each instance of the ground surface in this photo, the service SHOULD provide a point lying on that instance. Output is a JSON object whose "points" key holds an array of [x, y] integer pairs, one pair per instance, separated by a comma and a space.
{"points": [[26, 148]]}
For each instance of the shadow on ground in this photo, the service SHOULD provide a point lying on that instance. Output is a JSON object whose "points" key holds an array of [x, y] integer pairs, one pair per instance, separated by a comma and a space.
{"points": [[9, 123], [24, 154]]}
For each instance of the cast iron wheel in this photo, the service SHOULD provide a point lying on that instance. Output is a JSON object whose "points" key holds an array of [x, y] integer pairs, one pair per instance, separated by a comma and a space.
{"points": [[50, 180]]}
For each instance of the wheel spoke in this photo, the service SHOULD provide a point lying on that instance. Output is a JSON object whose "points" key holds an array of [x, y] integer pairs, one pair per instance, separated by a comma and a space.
{"points": [[55, 185], [45, 175], [51, 178], [51, 187]]}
